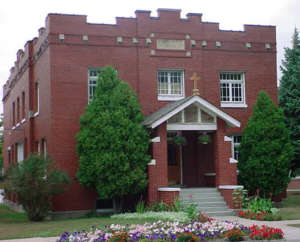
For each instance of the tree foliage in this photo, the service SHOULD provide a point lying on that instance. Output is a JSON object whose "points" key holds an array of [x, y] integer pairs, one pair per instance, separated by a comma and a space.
{"points": [[289, 94], [1, 144], [35, 183], [266, 150], [112, 144]]}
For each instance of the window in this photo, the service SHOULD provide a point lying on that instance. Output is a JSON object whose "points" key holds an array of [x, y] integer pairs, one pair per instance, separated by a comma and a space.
{"points": [[23, 105], [232, 89], [37, 98], [92, 82], [13, 113], [37, 147], [20, 150], [44, 147], [170, 84], [236, 142], [18, 110]]}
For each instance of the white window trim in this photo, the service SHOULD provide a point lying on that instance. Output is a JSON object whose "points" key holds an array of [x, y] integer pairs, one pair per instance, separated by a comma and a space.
{"points": [[88, 88], [233, 160], [38, 97], [20, 151], [171, 97], [234, 104]]}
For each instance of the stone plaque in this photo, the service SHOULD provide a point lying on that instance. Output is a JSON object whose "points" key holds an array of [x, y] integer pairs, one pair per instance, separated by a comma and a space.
{"points": [[170, 44]]}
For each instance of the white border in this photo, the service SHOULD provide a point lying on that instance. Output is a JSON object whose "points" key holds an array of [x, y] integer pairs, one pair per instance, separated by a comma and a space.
{"points": [[152, 162], [169, 189], [232, 160], [210, 174], [191, 127], [156, 139], [230, 187], [234, 105]]}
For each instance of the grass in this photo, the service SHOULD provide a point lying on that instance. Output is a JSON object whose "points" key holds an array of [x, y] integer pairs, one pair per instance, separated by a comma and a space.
{"points": [[290, 207], [16, 225]]}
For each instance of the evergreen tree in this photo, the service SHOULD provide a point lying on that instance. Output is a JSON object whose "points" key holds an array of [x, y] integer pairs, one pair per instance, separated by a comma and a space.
{"points": [[266, 150], [112, 143], [289, 94]]}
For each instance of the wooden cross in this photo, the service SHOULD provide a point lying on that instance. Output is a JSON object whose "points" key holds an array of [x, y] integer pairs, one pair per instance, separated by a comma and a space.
{"points": [[195, 78]]}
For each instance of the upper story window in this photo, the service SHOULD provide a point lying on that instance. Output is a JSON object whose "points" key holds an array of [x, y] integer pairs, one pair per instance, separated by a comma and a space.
{"points": [[20, 150], [23, 105], [236, 142], [37, 98], [18, 110], [232, 88], [170, 84], [92, 82], [13, 113]]}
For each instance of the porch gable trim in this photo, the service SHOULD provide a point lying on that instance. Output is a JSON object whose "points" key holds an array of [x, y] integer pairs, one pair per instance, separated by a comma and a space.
{"points": [[174, 109]]}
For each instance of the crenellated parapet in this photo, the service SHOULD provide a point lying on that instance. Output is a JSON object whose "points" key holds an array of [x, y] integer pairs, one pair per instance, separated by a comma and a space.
{"points": [[161, 35], [33, 49]]}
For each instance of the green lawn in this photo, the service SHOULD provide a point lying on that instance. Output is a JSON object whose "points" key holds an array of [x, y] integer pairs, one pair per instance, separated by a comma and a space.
{"points": [[291, 206], [16, 225]]}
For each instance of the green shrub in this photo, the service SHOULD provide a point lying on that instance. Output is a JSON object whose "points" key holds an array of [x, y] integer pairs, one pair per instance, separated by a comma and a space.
{"points": [[258, 205], [191, 211], [265, 150], [177, 207], [35, 182], [240, 198], [140, 207], [159, 207]]}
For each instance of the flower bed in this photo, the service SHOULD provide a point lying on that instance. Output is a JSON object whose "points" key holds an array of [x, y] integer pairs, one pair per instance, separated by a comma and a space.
{"points": [[261, 216], [265, 233], [160, 230]]}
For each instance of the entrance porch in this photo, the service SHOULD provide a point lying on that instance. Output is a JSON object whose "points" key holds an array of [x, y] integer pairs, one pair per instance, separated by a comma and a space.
{"points": [[191, 163]]}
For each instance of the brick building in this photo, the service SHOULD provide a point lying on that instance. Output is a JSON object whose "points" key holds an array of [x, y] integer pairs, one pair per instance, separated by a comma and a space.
{"points": [[191, 79]]}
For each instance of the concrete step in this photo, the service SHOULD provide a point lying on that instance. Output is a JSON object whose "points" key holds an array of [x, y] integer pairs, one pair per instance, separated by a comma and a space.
{"points": [[212, 209], [228, 212], [207, 204], [207, 200], [199, 190], [202, 199]]}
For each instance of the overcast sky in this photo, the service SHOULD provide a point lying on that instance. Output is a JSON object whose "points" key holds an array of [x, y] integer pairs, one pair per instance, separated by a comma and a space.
{"points": [[20, 20]]}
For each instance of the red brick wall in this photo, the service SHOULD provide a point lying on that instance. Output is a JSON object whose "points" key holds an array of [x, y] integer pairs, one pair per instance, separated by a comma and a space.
{"points": [[168, 197], [225, 171], [227, 194], [62, 69], [294, 184], [158, 173]]}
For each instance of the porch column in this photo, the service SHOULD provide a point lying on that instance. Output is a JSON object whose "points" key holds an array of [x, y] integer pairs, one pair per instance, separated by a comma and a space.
{"points": [[226, 172], [158, 168]]}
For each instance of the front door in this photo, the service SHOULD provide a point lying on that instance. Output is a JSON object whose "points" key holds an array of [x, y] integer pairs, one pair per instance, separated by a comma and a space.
{"points": [[174, 170]]}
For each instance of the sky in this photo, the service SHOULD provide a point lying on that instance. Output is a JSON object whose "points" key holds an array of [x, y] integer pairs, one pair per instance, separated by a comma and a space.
{"points": [[20, 20]]}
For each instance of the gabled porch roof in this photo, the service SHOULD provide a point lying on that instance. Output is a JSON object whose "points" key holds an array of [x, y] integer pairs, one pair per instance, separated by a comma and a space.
{"points": [[155, 119]]}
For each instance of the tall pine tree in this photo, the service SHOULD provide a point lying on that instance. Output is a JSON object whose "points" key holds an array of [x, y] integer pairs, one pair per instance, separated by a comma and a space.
{"points": [[289, 94], [112, 144], [266, 150]]}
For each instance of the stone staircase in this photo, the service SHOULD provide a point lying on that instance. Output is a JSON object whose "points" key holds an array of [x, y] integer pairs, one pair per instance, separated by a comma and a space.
{"points": [[208, 200]]}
